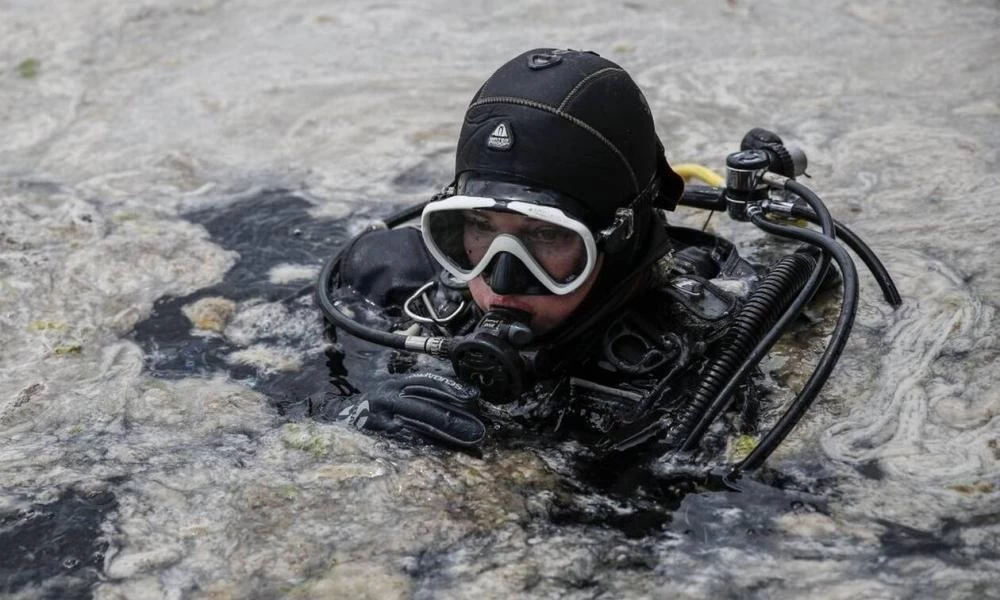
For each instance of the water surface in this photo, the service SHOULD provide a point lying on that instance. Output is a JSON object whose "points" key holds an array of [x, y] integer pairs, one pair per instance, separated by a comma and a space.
{"points": [[161, 153]]}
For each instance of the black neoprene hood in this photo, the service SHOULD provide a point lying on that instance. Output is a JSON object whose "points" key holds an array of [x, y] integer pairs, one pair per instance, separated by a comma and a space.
{"points": [[568, 121]]}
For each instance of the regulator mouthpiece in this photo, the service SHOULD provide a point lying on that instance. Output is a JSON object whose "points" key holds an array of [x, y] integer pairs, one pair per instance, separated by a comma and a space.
{"points": [[488, 358]]}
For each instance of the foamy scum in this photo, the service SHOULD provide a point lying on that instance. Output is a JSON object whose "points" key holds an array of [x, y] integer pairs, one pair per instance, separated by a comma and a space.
{"points": [[135, 116]]}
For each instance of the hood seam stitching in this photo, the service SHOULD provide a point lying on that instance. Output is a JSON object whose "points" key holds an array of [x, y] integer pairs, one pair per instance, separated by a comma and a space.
{"points": [[584, 81], [574, 120]]}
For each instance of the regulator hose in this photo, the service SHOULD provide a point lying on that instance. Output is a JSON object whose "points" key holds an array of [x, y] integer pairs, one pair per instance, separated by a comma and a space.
{"points": [[806, 292], [867, 255], [703, 197], [376, 336], [838, 339], [823, 217], [762, 309], [339, 319]]}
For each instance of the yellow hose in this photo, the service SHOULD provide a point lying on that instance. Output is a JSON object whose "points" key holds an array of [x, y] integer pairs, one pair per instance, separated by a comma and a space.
{"points": [[692, 171]]}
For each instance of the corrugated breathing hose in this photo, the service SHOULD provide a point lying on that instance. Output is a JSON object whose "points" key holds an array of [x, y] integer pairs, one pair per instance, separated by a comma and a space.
{"points": [[761, 311]]}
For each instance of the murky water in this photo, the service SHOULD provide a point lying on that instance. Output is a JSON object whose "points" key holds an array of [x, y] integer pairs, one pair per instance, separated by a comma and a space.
{"points": [[170, 163]]}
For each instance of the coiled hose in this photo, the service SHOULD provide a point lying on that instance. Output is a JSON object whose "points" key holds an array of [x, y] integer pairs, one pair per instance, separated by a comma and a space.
{"points": [[759, 314]]}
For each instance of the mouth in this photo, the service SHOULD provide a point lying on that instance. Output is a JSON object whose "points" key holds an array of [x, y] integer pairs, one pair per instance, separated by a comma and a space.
{"points": [[511, 304]]}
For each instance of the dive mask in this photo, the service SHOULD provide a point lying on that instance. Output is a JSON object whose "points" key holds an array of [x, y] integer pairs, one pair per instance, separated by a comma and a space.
{"points": [[471, 236]]}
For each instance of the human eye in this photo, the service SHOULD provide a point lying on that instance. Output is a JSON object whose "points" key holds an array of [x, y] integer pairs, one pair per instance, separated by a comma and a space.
{"points": [[550, 235], [477, 222]]}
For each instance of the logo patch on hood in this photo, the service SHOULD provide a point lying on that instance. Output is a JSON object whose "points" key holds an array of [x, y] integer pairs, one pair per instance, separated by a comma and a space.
{"points": [[502, 138]]}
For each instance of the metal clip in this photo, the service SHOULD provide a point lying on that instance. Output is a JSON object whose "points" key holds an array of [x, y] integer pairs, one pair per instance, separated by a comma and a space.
{"points": [[779, 206], [623, 217], [421, 295]]}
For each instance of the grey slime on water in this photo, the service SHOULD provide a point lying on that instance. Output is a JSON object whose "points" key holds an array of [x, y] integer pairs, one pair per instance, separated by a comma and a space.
{"points": [[171, 172]]}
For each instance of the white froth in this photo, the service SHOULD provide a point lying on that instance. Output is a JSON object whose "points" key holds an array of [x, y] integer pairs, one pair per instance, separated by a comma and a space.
{"points": [[288, 273], [141, 111]]}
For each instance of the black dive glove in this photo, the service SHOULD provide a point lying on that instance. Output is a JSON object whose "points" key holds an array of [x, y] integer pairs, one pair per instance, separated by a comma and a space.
{"points": [[432, 405]]}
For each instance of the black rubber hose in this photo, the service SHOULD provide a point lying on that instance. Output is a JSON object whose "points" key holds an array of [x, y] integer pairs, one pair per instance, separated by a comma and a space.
{"points": [[700, 196], [339, 319], [867, 255], [823, 217], [724, 395], [722, 374], [838, 339], [404, 215]]}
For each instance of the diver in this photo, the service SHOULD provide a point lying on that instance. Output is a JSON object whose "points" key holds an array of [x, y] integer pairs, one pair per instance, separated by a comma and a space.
{"points": [[547, 280]]}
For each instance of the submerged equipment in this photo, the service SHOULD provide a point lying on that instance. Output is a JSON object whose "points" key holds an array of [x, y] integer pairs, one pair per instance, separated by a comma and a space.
{"points": [[760, 183]]}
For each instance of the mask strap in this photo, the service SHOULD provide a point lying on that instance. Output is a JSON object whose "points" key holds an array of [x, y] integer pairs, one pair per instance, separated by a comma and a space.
{"points": [[619, 234], [668, 182], [446, 192]]}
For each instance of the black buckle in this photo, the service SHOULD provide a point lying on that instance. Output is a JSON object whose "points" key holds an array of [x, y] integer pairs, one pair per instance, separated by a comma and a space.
{"points": [[537, 62], [621, 230]]}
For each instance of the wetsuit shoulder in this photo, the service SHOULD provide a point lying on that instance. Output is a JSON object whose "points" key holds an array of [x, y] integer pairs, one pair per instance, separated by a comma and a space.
{"points": [[387, 265]]}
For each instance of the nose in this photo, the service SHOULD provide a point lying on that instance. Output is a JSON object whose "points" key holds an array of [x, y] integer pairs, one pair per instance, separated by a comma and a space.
{"points": [[507, 275]]}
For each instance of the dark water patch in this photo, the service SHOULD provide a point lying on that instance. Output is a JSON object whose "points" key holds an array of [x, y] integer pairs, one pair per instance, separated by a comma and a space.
{"points": [[267, 230], [639, 503], [871, 469], [426, 177], [59, 543], [38, 186], [943, 541], [901, 540], [646, 501], [659, 502]]}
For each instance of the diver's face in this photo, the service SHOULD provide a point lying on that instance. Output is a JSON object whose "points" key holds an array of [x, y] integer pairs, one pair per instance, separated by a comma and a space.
{"points": [[558, 254]]}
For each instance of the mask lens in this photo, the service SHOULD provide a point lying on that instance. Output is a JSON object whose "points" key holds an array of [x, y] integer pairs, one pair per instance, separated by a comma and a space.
{"points": [[466, 239], [446, 230], [559, 251]]}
